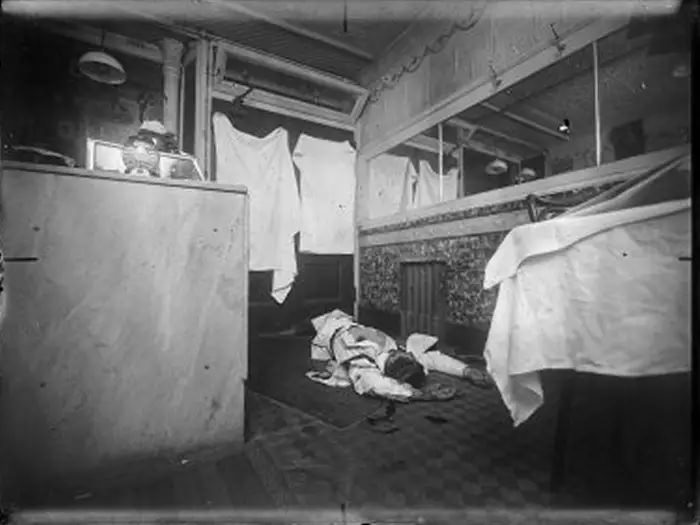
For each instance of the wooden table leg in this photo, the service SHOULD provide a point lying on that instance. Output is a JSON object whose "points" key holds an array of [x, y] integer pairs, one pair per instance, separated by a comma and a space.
{"points": [[561, 435]]}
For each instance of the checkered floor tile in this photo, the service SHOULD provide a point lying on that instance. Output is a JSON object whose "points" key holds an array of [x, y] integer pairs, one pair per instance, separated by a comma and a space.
{"points": [[466, 453], [471, 456], [266, 416]]}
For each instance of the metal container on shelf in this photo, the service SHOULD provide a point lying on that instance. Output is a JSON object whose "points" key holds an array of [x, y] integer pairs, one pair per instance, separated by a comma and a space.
{"points": [[108, 156]]}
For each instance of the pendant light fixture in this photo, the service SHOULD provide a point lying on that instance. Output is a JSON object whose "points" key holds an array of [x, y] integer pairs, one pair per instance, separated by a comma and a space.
{"points": [[496, 167], [102, 67]]}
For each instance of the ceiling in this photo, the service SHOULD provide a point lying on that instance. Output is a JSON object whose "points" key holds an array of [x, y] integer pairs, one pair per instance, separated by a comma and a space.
{"points": [[344, 37], [341, 37], [363, 27]]}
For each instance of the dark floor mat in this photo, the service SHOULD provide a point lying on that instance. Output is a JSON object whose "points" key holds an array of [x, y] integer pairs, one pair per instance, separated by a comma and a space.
{"points": [[277, 369]]}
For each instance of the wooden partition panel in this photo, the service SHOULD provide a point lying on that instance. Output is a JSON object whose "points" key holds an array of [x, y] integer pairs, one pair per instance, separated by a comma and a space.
{"points": [[422, 299], [126, 338]]}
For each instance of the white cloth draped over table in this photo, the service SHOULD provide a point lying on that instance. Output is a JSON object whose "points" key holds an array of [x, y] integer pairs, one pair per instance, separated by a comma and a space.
{"points": [[327, 184], [390, 180], [607, 293], [264, 166], [427, 190]]}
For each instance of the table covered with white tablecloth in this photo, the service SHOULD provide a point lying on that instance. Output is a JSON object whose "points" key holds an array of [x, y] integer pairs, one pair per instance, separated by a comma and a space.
{"points": [[607, 293]]}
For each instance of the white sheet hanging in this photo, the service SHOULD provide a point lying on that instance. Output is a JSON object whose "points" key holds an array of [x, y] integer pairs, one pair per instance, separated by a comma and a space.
{"points": [[264, 166], [390, 185], [327, 175], [428, 186]]}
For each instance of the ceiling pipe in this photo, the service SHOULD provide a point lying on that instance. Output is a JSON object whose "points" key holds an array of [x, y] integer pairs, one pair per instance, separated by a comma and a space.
{"points": [[525, 122]]}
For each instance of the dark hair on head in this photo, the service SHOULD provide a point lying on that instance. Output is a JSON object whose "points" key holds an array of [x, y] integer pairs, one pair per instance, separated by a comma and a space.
{"points": [[405, 368]]}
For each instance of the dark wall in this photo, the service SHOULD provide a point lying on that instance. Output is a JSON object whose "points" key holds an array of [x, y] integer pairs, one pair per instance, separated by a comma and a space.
{"points": [[47, 103], [475, 178]]}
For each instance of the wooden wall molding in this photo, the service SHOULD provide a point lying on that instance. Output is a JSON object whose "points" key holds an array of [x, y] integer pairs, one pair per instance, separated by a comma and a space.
{"points": [[459, 228], [45, 169]]}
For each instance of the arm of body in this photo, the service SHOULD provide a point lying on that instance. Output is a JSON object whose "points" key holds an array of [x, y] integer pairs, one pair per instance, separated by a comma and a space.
{"points": [[436, 361], [370, 380]]}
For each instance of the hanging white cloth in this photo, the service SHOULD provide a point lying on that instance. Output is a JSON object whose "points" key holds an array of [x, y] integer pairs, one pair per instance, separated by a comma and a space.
{"points": [[428, 186], [390, 185], [327, 175], [264, 166]]}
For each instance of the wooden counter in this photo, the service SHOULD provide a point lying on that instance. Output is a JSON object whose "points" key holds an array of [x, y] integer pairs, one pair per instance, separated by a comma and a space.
{"points": [[126, 337]]}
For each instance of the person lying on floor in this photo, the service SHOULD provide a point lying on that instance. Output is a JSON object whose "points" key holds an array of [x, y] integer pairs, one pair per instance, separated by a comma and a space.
{"points": [[372, 362]]}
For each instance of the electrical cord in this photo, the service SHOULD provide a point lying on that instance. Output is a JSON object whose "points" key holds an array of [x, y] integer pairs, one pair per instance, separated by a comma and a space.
{"points": [[391, 80]]}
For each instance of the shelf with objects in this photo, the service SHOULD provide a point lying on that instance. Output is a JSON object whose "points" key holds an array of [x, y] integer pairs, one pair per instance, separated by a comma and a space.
{"points": [[142, 155]]}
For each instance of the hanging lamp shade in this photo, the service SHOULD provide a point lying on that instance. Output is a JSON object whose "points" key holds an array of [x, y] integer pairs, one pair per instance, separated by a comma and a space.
{"points": [[496, 167], [101, 67]]}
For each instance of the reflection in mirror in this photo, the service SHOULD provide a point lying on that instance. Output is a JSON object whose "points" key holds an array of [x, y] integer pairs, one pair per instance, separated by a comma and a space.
{"points": [[625, 95], [644, 87], [421, 172], [540, 126]]}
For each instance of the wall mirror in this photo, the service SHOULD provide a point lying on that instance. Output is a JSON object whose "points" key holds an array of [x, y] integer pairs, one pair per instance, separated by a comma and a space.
{"points": [[625, 95]]}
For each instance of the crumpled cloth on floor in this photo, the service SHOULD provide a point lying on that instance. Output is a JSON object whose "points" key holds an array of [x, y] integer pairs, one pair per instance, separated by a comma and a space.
{"points": [[436, 391], [264, 166]]}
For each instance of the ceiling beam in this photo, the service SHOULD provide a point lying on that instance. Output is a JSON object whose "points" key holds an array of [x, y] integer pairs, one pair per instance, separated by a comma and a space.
{"points": [[254, 56], [281, 105], [631, 50], [112, 41], [463, 124], [296, 29], [525, 122], [426, 143], [359, 107], [283, 65], [487, 149]]}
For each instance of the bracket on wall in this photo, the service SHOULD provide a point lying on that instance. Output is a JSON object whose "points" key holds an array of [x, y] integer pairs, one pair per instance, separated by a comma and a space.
{"points": [[237, 104], [561, 46], [219, 65], [494, 77]]}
